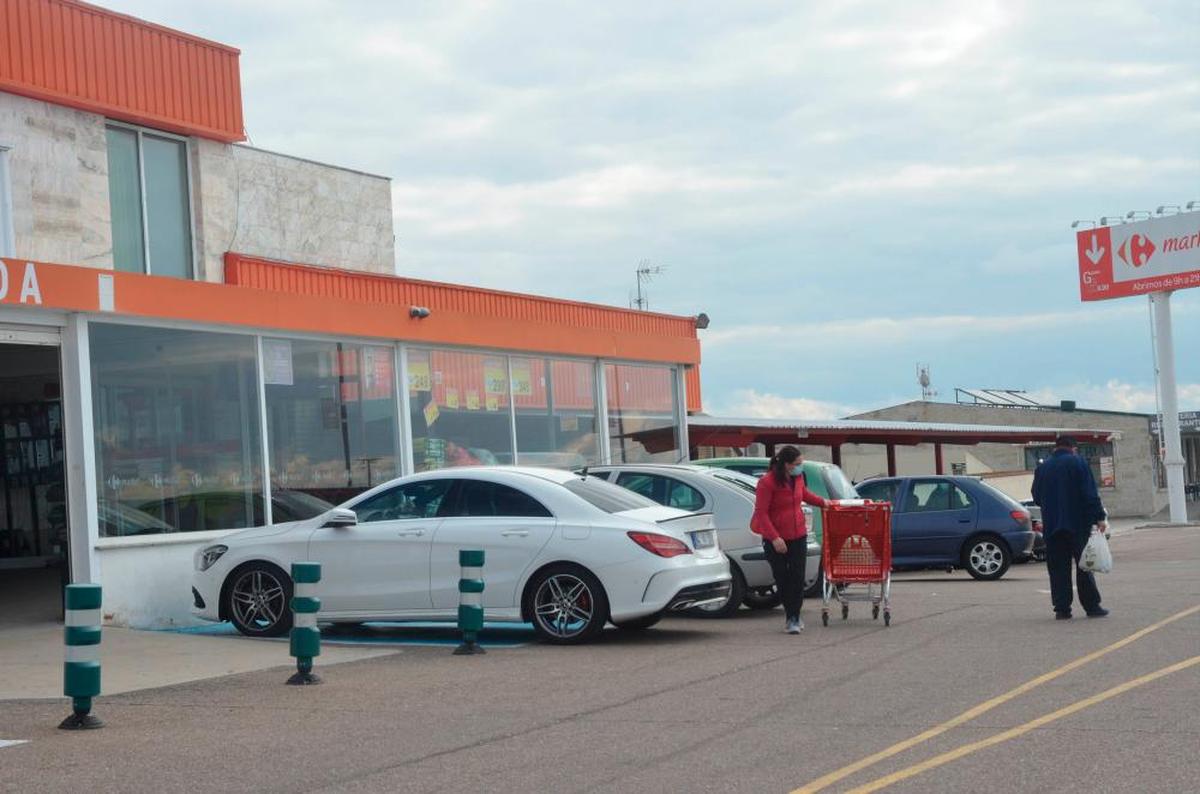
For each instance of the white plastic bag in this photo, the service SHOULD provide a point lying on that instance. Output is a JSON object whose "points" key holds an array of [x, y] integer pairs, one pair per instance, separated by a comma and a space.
{"points": [[1096, 557]]}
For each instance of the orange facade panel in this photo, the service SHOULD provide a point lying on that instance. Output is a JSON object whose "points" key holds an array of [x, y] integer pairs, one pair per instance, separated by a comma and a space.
{"points": [[692, 378], [369, 288], [82, 56]]}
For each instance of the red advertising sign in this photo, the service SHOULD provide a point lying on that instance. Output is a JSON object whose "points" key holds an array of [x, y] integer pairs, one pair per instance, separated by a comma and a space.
{"points": [[1154, 255]]}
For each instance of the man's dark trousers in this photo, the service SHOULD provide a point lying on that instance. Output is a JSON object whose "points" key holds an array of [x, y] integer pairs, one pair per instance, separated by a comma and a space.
{"points": [[1063, 550], [788, 570]]}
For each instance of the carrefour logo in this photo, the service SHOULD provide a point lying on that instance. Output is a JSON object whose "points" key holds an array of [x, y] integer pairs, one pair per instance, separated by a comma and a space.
{"points": [[1137, 250]]}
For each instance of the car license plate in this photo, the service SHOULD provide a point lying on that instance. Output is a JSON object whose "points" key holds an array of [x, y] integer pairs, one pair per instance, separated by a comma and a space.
{"points": [[703, 540]]}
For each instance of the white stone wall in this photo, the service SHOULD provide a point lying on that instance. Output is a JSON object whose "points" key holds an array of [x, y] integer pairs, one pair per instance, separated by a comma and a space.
{"points": [[243, 199], [264, 204], [59, 173]]}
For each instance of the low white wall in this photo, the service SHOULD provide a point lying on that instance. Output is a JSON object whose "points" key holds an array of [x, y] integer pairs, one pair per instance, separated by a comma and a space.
{"points": [[148, 584], [1018, 485]]}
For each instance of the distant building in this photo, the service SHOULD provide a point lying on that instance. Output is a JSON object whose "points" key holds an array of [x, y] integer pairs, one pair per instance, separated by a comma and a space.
{"points": [[1127, 468]]}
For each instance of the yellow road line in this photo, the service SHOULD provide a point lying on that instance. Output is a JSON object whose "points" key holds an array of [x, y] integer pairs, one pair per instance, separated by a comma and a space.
{"points": [[1021, 730], [985, 707]]}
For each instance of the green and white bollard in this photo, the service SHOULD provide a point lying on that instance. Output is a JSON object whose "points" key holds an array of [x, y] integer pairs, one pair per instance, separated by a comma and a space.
{"points": [[81, 667], [306, 637], [470, 601]]}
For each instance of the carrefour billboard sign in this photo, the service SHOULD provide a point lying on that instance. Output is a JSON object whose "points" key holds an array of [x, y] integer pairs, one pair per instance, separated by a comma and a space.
{"points": [[1139, 258]]}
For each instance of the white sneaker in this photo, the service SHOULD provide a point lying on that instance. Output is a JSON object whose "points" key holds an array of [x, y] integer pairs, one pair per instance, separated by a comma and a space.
{"points": [[799, 624], [794, 627]]}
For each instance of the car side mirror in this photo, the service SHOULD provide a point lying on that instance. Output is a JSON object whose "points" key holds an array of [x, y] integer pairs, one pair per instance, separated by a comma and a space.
{"points": [[340, 518]]}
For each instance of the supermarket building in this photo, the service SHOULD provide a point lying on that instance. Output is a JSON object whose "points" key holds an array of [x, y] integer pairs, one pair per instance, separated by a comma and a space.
{"points": [[198, 336]]}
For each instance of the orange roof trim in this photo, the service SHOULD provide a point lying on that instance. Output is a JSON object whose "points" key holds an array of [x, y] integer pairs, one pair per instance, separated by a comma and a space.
{"points": [[86, 57]]}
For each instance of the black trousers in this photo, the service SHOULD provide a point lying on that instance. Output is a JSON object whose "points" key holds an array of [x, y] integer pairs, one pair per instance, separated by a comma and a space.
{"points": [[788, 570], [1063, 550]]}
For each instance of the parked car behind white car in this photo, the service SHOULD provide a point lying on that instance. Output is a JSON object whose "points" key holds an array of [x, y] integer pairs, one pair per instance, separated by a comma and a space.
{"points": [[729, 496], [564, 552]]}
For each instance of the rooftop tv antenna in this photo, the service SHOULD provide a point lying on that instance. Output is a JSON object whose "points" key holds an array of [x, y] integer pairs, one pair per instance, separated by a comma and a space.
{"points": [[927, 390], [645, 273]]}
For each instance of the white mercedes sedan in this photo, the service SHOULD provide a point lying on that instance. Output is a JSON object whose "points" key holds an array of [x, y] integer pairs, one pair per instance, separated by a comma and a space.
{"points": [[565, 552]]}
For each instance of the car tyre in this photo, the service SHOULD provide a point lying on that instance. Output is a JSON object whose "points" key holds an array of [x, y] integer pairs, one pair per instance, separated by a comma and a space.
{"points": [[737, 594], [257, 600], [762, 598], [639, 624], [986, 557], [566, 604]]}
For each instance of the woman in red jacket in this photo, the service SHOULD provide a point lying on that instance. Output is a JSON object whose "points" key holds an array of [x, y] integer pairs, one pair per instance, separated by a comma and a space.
{"points": [[779, 518]]}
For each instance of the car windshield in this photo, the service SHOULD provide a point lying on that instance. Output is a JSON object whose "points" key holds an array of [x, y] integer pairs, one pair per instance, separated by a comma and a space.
{"points": [[606, 496], [839, 487]]}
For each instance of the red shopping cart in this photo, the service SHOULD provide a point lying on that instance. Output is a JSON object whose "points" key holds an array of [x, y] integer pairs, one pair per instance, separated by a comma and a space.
{"points": [[856, 550]]}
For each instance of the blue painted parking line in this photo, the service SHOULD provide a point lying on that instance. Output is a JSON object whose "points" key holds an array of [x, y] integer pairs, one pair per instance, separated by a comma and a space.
{"points": [[494, 635]]}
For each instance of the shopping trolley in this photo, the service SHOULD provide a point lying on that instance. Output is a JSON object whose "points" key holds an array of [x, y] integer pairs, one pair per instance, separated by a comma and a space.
{"points": [[856, 549]]}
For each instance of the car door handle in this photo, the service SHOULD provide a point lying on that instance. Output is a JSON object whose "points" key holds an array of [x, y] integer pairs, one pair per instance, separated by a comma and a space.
{"points": [[409, 533], [519, 533]]}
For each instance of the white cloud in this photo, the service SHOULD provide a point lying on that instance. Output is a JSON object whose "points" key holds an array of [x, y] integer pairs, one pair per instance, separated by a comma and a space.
{"points": [[891, 331], [751, 403], [1117, 395]]}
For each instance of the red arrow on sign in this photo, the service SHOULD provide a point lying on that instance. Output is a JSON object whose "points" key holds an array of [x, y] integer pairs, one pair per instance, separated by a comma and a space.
{"points": [[1094, 247]]}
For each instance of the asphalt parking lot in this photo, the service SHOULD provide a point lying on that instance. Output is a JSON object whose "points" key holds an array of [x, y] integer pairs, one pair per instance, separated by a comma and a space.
{"points": [[974, 686]]}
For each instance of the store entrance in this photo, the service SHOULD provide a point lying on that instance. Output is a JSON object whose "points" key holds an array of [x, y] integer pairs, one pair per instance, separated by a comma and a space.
{"points": [[33, 494]]}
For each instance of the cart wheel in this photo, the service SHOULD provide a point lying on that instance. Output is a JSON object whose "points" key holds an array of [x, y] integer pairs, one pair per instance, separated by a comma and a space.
{"points": [[845, 611], [824, 618], [875, 612], [887, 618]]}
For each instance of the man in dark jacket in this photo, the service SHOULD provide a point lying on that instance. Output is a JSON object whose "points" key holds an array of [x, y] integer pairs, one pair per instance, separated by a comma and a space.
{"points": [[1063, 486]]}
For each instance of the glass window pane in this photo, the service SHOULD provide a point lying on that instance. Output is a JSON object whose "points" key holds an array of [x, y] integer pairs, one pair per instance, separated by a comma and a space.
{"points": [[606, 496], [168, 211], [642, 424], [460, 413], [332, 424], [556, 412], [414, 500], [177, 428], [125, 200], [478, 498]]}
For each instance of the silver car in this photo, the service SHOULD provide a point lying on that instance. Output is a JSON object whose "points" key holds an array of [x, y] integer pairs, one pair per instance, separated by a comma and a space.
{"points": [[729, 496]]}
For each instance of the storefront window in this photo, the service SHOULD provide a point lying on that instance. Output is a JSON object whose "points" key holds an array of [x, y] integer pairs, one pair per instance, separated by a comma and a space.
{"points": [[556, 412], [332, 425], [178, 442], [642, 424], [460, 409]]}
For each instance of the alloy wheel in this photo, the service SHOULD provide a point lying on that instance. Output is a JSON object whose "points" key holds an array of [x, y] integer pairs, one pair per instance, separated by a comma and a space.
{"points": [[986, 557], [258, 600], [563, 605]]}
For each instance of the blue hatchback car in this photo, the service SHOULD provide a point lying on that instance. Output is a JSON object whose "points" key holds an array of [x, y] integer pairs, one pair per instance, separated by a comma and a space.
{"points": [[953, 522]]}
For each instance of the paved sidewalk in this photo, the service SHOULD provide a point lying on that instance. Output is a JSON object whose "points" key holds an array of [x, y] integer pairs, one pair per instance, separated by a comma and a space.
{"points": [[31, 658]]}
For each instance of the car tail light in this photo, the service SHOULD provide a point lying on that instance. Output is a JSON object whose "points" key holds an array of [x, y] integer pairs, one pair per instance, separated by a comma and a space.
{"points": [[662, 545], [1020, 516]]}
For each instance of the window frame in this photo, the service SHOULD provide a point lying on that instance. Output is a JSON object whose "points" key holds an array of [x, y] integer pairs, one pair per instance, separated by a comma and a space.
{"points": [[459, 486], [670, 484], [8, 236], [141, 132], [450, 493], [910, 495]]}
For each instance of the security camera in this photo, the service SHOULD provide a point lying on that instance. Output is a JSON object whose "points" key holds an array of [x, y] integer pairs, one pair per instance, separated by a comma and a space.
{"points": [[418, 312]]}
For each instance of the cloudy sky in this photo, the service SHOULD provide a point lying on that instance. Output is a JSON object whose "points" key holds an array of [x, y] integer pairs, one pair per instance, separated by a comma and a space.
{"points": [[847, 188]]}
